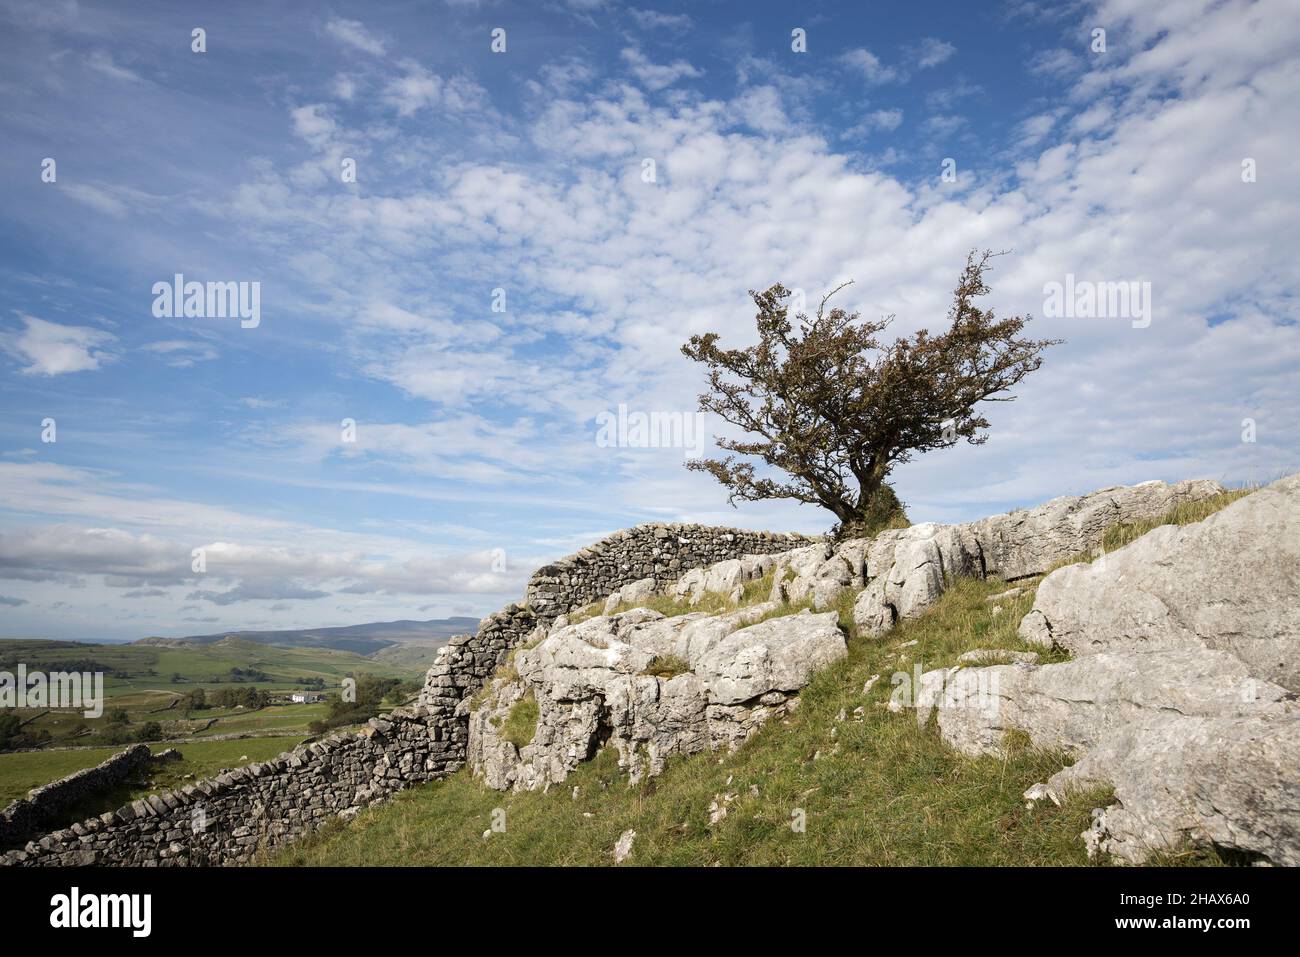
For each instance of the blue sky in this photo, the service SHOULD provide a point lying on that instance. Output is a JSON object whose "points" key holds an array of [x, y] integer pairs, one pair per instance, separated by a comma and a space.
{"points": [[475, 456]]}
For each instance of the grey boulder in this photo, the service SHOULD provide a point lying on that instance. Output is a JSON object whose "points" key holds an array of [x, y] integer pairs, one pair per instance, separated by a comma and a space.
{"points": [[1230, 582]]}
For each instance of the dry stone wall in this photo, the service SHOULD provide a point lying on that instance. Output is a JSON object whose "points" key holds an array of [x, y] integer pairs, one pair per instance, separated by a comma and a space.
{"points": [[663, 552], [228, 819], [659, 551], [48, 806]]}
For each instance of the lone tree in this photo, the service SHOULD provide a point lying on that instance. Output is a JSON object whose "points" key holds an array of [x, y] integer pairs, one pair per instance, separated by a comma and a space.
{"points": [[836, 410]]}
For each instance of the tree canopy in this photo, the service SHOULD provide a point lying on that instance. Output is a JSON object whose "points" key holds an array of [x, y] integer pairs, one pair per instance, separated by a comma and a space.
{"points": [[827, 401]]}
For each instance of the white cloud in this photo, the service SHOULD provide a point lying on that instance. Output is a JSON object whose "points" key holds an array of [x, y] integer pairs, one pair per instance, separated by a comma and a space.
{"points": [[656, 76], [932, 51], [345, 87], [866, 63], [50, 349], [760, 107], [1057, 63], [182, 353], [313, 123], [883, 120], [944, 124], [947, 97], [102, 62], [97, 198], [354, 34], [1030, 131], [418, 89], [653, 19]]}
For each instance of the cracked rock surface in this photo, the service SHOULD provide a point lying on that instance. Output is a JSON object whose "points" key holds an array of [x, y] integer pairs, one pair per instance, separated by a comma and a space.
{"points": [[1230, 582], [1182, 696], [906, 569], [592, 690]]}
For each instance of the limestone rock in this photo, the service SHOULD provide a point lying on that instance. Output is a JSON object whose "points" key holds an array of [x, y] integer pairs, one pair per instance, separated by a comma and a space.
{"points": [[623, 848], [1216, 782], [591, 690], [630, 594], [1074, 705], [778, 655], [906, 569], [1030, 541], [701, 635], [1198, 751], [1230, 582]]}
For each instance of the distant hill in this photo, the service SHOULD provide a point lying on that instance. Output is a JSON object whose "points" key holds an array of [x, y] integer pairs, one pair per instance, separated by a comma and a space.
{"points": [[367, 639]]}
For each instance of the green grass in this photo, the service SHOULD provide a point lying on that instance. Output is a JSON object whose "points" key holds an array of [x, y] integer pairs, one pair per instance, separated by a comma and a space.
{"points": [[150, 681], [876, 791], [151, 668], [521, 724]]}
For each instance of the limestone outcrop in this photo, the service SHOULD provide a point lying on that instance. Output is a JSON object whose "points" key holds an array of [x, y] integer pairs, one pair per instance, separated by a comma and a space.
{"points": [[1182, 695], [1230, 582], [1076, 705], [603, 683], [901, 572], [907, 569]]}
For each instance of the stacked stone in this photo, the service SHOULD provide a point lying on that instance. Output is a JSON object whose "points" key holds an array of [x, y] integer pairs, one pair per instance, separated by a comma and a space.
{"points": [[270, 804], [230, 818], [463, 666], [659, 551], [44, 807]]}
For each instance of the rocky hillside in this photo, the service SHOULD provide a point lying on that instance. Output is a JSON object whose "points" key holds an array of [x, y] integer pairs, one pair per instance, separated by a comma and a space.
{"points": [[895, 701]]}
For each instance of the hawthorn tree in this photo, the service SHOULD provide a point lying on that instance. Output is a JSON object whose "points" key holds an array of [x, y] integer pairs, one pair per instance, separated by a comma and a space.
{"points": [[826, 401]]}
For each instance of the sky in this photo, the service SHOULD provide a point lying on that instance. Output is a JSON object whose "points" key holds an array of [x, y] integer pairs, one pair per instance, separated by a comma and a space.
{"points": [[549, 199]]}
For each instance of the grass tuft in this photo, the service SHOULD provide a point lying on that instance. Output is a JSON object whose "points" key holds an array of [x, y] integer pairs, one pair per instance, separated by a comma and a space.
{"points": [[1117, 536], [666, 666], [521, 724]]}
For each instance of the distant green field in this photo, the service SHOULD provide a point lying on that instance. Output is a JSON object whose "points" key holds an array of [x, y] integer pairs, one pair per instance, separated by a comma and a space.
{"points": [[151, 683], [178, 723], [22, 771], [135, 668]]}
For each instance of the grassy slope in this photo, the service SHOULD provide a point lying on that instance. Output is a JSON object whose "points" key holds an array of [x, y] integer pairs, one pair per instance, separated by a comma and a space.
{"points": [[883, 791], [876, 791]]}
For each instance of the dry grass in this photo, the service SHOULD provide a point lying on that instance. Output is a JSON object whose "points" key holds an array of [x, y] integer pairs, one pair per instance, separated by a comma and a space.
{"points": [[666, 666], [1117, 536]]}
